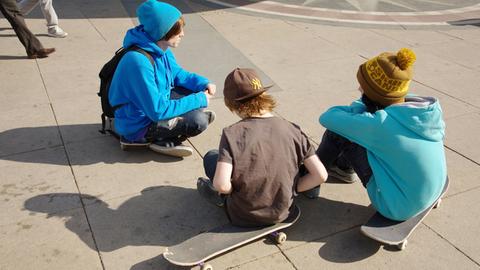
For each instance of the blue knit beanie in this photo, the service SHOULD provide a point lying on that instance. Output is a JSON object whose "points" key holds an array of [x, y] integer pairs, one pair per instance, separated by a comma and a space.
{"points": [[157, 18]]}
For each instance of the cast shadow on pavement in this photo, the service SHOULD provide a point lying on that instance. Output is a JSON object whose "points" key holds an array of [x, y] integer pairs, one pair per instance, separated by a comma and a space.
{"points": [[159, 216], [86, 9], [84, 144], [12, 57], [334, 223]]}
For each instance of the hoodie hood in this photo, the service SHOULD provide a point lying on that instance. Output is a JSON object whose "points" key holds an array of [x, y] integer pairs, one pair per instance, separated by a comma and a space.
{"points": [[157, 18], [424, 112], [137, 36]]}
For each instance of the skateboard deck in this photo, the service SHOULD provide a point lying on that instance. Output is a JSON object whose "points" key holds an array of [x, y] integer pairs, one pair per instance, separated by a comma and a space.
{"points": [[393, 232], [204, 246]]}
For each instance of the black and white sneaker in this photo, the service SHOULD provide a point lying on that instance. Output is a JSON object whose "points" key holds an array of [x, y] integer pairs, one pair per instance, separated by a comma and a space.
{"points": [[207, 191], [170, 148], [211, 116], [347, 175]]}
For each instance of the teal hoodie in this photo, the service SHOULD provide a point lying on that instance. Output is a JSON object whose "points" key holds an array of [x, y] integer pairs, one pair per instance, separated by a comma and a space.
{"points": [[404, 144], [144, 89]]}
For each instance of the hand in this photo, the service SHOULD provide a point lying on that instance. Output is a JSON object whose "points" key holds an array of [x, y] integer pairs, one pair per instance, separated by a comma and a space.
{"points": [[208, 95], [211, 88]]}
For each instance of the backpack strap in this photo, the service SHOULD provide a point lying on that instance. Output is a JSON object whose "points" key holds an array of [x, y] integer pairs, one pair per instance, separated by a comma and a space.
{"points": [[104, 117], [142, 51]]}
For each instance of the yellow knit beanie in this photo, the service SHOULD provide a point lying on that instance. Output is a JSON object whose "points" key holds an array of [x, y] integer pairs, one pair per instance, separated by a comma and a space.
{"points": [[385, 78]]}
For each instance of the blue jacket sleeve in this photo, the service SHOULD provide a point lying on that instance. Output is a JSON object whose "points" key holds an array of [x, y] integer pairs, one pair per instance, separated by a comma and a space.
{"points": [[185, 79], [140, 78], [354, 123]]}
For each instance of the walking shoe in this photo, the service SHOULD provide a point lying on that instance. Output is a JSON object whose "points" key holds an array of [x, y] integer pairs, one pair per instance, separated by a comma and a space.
{"points": [[42, 53], [57, 32], [207, 191], [346, 175], [170, 148], [211, 116]]}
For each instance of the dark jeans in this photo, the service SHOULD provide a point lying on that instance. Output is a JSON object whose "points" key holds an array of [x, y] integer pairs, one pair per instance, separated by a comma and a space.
{"points": [[210, 163], [188, 125], [337, 150], [13, 15]]}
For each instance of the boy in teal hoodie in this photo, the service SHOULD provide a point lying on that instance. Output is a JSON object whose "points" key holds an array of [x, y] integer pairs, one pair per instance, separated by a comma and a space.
{"points": [[391, 140], [160, 104]]}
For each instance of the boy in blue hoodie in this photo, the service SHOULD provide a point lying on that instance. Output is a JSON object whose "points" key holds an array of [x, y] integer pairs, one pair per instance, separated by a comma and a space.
{"points": [[391, 140], [160, 104]]}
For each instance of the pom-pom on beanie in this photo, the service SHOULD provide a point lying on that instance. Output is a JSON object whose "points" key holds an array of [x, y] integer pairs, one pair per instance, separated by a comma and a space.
{"points": [[385, 79], [157, 18]]}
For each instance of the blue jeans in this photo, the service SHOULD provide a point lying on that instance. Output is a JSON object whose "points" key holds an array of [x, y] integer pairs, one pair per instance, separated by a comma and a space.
{"points": [[335, 150], [188, 125]]}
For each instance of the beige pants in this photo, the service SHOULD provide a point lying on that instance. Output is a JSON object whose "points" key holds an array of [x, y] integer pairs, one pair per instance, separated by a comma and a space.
{"points": [[26, 6]]}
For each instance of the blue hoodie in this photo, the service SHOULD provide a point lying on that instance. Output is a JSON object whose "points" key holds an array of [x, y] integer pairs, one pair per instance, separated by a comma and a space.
{"points": [[144, 90], [404, 144]]}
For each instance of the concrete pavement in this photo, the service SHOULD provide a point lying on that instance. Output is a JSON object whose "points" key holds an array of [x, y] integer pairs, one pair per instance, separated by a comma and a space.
{"points": [[71, 199]]}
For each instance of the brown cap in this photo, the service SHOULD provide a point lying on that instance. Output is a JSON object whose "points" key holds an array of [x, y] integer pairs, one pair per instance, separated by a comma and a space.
{"points": [[242, 84]]}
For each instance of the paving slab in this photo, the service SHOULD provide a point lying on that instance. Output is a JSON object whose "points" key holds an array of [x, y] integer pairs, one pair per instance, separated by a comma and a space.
{"points": [[22, 181], [456, 220], [271, 262], [461, 135], [139, 202], [25, 88], [30, 129], [340, 207], [42, 242], [447, 77], [352, 250], [464, 174], [103, 170], [135, 230]]}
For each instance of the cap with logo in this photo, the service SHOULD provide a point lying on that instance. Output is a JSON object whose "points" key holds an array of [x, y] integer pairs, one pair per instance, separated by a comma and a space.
{"points": [[242, 84]]}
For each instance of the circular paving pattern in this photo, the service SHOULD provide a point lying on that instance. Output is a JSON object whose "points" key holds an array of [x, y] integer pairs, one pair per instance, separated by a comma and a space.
{"points": [[386, 12]]}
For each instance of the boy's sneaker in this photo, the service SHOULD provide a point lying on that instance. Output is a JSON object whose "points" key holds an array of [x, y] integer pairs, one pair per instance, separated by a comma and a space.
{"points": [[207, 191], [312, 193], [211, 116], [57, 32], [170, 148], [346, 175], [124, 143]]}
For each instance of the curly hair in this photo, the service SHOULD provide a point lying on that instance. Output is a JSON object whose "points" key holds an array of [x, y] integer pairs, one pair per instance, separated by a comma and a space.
{"points": [[251, 106]]}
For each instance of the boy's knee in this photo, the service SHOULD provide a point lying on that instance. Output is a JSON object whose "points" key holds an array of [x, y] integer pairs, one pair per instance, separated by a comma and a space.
{"points": [[197, 122]]}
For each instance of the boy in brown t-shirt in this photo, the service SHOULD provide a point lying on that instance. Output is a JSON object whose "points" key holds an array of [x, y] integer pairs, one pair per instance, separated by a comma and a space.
{"points": [[255, 172]]}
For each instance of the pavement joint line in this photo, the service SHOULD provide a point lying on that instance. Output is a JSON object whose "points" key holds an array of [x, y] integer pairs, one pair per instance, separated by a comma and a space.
{"points": [[93, 25], [460, 193], [30, 151], [462, 155], [319, 239], [286, 257], [445, 93], [70, 166], [452, 244], [195, 148]]}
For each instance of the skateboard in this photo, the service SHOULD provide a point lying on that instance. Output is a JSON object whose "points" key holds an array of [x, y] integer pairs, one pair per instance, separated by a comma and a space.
{"points": [[200, 248], [393, 232]]}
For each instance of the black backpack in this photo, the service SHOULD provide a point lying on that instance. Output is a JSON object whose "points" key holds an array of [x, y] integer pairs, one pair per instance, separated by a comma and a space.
{"points": [[106, 76]]}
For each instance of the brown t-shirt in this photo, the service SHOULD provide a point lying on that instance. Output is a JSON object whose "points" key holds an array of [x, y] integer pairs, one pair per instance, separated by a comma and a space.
{"points": [[266, 154]]}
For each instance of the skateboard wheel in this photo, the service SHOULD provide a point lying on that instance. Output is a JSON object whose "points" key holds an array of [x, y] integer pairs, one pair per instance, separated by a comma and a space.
{"points": [[280, 238], [402, 245], [438, 203], [206, 267]]}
